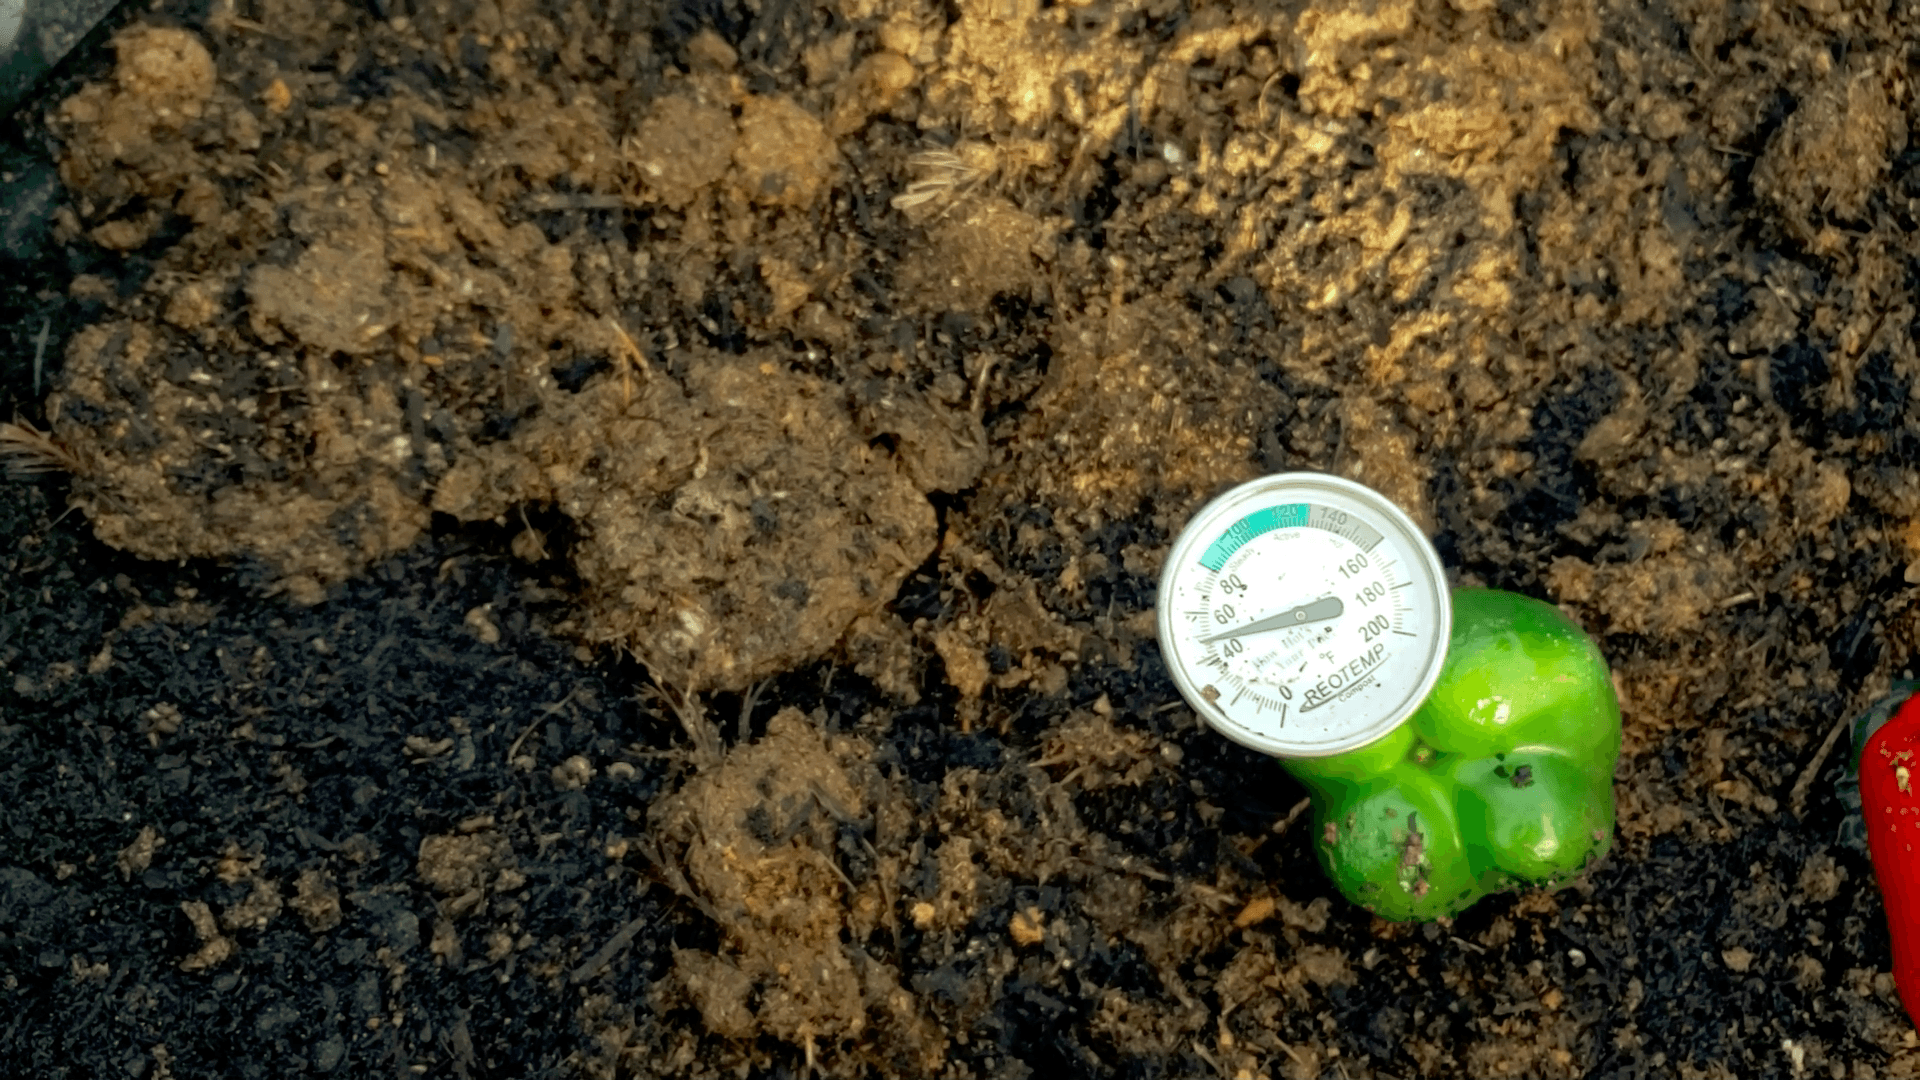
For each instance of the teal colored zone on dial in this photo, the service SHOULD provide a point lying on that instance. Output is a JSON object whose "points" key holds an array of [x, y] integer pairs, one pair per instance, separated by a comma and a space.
{"points": [[1254, 524]]}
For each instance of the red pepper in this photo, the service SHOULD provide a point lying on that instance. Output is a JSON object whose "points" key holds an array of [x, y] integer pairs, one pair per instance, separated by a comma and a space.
{"points": [[1890, 800]]}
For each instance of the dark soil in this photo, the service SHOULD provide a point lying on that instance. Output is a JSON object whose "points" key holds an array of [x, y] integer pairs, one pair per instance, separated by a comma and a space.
{"points": [[619, 540]]}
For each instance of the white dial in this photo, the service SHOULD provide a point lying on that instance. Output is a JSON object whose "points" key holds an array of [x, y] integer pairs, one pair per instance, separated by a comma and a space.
{"points": [[1303, 615]]}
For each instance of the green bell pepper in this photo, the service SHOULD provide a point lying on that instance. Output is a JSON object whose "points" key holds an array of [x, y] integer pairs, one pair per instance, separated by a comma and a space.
{"points": [[1502, 778]]}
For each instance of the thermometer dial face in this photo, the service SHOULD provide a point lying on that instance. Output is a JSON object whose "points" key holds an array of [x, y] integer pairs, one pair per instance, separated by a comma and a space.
{"points": [[1303, 615]]}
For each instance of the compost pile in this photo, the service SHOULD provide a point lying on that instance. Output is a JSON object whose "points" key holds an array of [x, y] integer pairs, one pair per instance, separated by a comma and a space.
{"points": [[619, 539]]}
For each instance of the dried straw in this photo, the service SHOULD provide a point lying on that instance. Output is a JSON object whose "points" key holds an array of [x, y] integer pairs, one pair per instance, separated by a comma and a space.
{"points": [[27, 451]]}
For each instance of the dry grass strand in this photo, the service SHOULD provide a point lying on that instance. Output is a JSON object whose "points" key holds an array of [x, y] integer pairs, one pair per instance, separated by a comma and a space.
{"points": [[26, 451]]}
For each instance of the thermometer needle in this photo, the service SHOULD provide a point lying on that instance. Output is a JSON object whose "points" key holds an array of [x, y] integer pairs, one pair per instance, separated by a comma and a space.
{"points": [[1318, 611]]}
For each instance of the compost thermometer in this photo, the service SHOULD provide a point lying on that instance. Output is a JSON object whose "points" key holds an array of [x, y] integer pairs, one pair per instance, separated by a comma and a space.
{"points": [[1303, 615]]}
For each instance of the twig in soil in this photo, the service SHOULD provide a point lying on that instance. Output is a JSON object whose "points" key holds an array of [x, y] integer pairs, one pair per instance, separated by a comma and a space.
{"points": [[40, 353], [1125, 865], [1201, 1053], [1865, 342], [749, 701], [524, 732], [980, 385], [548, 710], [635, 359], [693, 718], [1713, 804], [1797, 799], [1280, 827], [888, 912], [620, 940], [27, 451], [1264, 87], [538, 549], [669, 875], [949, 174]]}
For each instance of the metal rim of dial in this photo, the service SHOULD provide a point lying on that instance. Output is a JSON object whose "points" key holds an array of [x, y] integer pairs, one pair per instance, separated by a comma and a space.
{"points": [[1355, 726]]}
